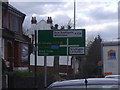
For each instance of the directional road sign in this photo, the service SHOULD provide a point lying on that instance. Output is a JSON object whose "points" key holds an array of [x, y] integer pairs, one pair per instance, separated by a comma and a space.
{"points": [[61, 42]]}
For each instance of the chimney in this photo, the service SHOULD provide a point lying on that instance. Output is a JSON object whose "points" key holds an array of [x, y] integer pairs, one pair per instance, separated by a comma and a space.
{"points": [[33, 21], [56, 26], [62, 27], [49, 20], [52, 27]]}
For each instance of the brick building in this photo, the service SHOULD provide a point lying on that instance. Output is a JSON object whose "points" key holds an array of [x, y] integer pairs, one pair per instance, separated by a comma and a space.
{"points": [[15, 45]]}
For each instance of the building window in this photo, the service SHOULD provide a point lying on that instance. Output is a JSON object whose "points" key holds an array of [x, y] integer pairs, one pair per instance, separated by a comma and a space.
{"points": [[9, 48], [5, 19], [14, 23], [24, 56], [2, 46]]}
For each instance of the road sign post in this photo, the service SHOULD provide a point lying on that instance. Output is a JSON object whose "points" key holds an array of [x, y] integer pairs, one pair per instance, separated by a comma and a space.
{"points": [[54, 42], [67, 55], [60, 43], [45, 71]]}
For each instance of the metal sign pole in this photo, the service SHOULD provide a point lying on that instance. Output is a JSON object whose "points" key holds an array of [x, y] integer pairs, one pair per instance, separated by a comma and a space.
{"points": [[67, 54], [45, 71], [35, 67]]}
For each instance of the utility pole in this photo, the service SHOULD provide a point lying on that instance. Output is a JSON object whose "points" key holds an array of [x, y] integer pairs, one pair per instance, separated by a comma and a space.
{"points": [[74, 26], [74, 13]]}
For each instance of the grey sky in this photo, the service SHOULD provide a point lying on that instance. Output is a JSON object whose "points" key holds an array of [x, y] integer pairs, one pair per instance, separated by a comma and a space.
{"points": [[96, 17]]}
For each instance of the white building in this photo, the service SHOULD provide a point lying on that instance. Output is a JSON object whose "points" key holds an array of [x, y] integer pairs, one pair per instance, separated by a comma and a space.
{"points": [[111, 56], [46, 25]]}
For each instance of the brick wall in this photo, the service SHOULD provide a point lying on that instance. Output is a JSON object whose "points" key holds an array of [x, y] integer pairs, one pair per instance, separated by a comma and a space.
{"points": [[62, 69], [41, 68]]}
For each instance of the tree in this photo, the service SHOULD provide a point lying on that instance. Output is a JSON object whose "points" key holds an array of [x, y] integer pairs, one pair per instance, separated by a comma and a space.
{"points": [[93, 56]]}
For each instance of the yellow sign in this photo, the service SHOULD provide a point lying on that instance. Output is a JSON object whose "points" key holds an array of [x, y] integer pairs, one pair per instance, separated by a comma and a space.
{"points": [[111, 54]]}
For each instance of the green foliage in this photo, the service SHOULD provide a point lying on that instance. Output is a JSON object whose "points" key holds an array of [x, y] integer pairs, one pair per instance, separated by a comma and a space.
{"points": [[93, 56], [51, 77], [20, 73]]}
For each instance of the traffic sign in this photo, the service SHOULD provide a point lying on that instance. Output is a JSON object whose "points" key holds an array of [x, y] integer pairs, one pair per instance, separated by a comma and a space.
{"points": [[61, 42]]}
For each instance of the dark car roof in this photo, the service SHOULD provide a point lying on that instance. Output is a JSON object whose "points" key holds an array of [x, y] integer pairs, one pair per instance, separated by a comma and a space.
{"points": [[90, 81]]}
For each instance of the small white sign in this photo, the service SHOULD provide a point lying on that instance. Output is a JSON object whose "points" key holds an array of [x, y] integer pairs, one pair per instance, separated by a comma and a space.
{"points": [[67, 34], [76, 50]]}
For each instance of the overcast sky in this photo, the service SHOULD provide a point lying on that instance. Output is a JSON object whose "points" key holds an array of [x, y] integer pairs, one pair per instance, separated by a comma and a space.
{"points": [[97, 17]]}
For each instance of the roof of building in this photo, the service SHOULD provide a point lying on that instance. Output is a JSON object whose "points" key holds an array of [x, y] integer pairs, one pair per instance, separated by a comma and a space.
{"points": [[111, 43], [42, 21], [11, 8]]}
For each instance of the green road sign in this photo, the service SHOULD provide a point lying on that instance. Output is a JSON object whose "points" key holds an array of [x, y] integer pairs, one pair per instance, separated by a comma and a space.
{"points": [[61, 42]]}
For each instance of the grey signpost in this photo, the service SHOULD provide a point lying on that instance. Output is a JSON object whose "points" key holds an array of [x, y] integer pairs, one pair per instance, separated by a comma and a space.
{"points": [[60, 43]]}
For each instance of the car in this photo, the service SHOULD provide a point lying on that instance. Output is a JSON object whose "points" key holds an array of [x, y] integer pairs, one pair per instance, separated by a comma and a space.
{"points": [[112, 76], [84, 84]]}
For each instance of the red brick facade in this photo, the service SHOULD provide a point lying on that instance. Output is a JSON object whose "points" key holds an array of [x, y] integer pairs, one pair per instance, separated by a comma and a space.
{"points": [[62, 69], [12, 20]]}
